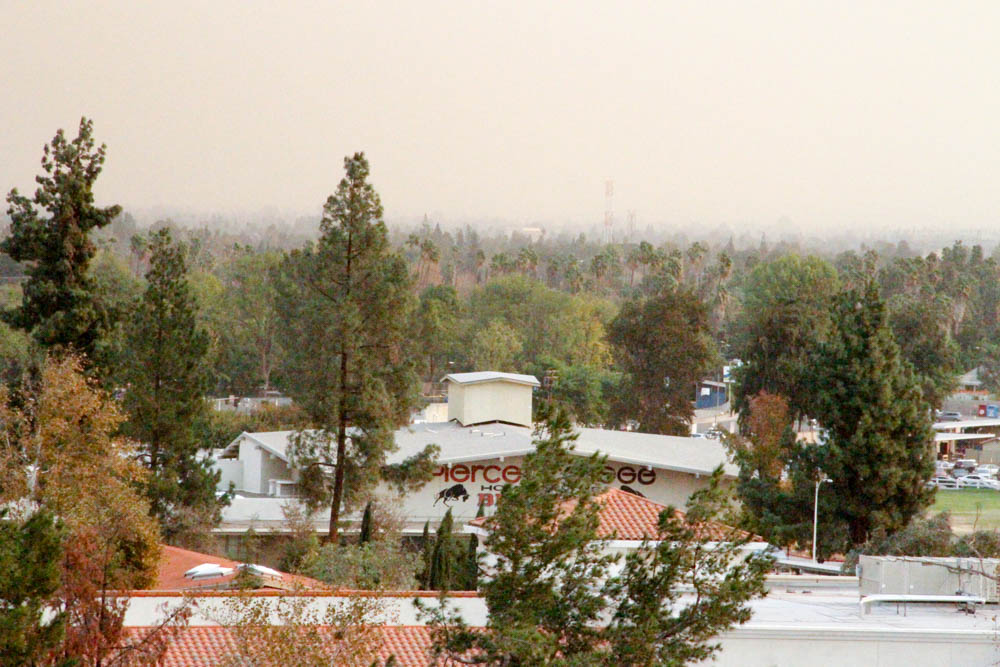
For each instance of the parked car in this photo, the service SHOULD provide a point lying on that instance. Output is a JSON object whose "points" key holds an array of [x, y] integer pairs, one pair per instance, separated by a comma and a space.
{"points": [[957, 472], [950, 416], [989, 469], [714, 433], [942, 482], [974, 481]]}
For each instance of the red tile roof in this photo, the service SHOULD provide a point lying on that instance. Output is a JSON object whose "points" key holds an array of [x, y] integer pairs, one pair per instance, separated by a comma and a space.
{"points": [[174, 562], [627, 516], [201, 646]]}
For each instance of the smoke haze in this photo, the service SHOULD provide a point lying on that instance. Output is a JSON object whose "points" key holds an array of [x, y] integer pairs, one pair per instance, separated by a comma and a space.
{"points": [[816, 118]]}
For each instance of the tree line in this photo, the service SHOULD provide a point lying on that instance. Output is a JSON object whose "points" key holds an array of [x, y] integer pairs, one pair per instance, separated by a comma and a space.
{"points": [[350, 323]]}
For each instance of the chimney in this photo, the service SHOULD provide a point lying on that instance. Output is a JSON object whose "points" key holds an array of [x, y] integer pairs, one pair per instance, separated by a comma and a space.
{"points": [[489, 396]]}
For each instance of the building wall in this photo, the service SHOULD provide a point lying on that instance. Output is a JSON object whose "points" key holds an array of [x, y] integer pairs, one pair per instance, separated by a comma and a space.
{"points": [[232, 472], [271, 467], [752, 645], [435, 413], [484, 480], [251, 455]]}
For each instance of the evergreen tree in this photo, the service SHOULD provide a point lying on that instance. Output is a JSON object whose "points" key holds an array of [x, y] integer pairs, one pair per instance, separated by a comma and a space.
{"points": [[441, 563], [427, 551], [552, 598], [366, 524], [344, 308], [472, 564], [30, 554], [448, 559], [165, 371], [50, 232], [877, 452]]}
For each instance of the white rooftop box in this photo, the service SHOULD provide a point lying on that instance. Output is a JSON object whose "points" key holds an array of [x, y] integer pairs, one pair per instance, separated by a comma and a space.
{"points": [[912, 575], [489, 396]]}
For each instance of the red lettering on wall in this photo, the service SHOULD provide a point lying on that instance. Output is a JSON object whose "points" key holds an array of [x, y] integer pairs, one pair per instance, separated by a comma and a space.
{"points": [[511, 474], [485, 498], [474, 469], [442, 471], [486, 474], [460, 473]]}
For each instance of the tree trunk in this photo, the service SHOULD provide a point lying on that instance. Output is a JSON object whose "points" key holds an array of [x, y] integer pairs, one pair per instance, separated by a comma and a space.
{"points": [[338, 480], [338, 486], [858, 530]]}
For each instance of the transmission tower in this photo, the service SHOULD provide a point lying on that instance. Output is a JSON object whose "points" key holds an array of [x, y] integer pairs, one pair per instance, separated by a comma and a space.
{"points": [[609, 210]]}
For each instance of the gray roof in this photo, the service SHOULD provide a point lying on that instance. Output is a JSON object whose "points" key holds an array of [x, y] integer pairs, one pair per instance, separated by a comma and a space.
{"points": [[965, 423], [460, 444], [491, 376], [971, 378]]}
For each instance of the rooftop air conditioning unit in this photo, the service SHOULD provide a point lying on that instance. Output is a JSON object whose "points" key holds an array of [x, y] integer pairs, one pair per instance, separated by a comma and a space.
{"points": [[909, 575]]}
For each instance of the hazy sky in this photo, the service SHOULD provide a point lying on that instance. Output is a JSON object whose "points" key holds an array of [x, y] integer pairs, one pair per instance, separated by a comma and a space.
{"points": [[837, 114]]}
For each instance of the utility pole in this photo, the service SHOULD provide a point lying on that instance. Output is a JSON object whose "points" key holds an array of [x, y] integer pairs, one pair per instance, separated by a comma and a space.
{"points": [[816, 514]]}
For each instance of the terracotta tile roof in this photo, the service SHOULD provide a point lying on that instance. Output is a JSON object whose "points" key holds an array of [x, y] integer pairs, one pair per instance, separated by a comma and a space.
{"points": [[201, 646], [174, 562], [631, 517]]}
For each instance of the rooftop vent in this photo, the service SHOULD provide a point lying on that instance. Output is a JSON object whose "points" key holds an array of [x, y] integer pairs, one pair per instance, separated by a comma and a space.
{"points": [[489, 396], [260, 570], [208, 571]]}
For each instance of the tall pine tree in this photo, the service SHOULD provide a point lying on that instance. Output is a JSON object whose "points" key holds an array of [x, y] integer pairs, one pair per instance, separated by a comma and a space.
{"points": [[50, 232], [344, 307], [166, 377], [877, 453]]}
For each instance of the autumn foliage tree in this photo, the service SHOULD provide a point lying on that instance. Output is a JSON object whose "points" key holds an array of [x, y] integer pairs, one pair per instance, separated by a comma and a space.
{"points": [[289, 630], [61, 454]]}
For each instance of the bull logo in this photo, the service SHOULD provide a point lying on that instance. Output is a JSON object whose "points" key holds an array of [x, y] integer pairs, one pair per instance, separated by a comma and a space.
{"points": [[452, 493]]}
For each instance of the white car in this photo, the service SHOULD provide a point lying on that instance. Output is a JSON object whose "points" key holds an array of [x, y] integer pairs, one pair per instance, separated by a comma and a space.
{"points": [[943, 482], [988, 469], [975, 481]]}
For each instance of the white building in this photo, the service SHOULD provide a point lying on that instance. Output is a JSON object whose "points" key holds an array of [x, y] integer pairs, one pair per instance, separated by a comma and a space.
{"points": [[481, 450], [802, 621]]}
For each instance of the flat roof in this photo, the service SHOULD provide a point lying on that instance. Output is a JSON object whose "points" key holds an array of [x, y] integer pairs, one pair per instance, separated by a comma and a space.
{"points": [[491, 376], [461, 444], [949, 437], [965, 423]]}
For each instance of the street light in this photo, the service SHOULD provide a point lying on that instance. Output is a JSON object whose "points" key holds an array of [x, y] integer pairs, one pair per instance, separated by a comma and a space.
{"points": [[816, 513]]}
